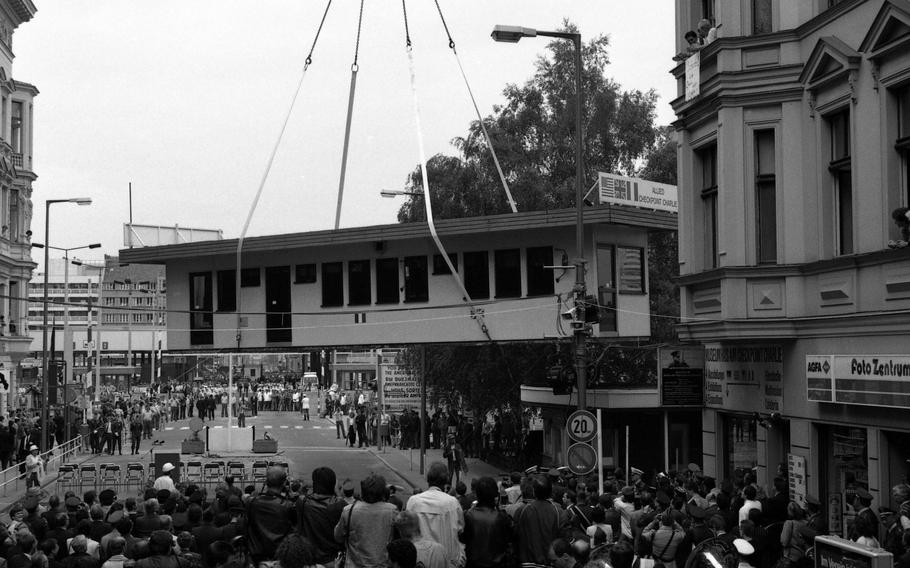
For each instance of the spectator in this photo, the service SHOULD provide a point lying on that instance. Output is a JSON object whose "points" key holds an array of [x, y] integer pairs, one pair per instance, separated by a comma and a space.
{"points": [[664, 536], [319, 513], [269, 516], [117, 559], [749, 494], [159, 549], [366, 533], [706, 32], [430, 554], [402, 554], [187, 557], [296, 551], [440, 515], [487, 531], [79, 556], [539, 523]]}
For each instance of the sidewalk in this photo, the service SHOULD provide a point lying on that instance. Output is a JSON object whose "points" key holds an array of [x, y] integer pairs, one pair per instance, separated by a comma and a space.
{"points": [[406, 463]]}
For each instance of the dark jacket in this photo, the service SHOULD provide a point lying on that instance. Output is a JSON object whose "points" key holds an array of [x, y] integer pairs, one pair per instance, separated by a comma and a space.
{"points": [[317, 516], [269, 519], [486, 536], [537, 524], [81, 560]]}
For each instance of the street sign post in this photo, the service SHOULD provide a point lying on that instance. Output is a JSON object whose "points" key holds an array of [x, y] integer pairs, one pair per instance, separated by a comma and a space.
{"points": [[581, 458], [582, 426]]}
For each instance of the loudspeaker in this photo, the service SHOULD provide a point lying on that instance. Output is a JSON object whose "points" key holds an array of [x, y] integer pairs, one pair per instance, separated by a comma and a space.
{"points": [[171, 458]]}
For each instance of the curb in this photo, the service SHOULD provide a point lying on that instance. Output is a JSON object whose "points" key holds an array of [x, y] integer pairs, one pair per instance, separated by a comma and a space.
{"points": [[395, 469]]}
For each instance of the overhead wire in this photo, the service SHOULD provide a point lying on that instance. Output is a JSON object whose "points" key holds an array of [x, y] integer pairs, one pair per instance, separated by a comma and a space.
{"points": [[268, 166], [483, 126], [355, 67]]}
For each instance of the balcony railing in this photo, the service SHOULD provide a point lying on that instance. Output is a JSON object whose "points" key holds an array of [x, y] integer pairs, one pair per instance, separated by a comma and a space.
{"points": [[17, 159]]}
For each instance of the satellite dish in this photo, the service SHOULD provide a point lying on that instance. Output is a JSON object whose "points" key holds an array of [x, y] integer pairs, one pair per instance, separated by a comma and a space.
{"points": [[195, 426]]}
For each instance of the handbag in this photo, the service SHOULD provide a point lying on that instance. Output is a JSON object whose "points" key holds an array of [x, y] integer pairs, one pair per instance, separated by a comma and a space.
{"points": [[343, 554]]}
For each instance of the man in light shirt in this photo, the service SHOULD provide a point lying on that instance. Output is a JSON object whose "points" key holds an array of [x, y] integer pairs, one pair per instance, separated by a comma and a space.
{"points": [[165, 481], [439, 514]]}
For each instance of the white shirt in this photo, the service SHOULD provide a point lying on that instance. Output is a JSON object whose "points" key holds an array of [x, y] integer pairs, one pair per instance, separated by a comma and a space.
{"points": [[305, 403], [165, 482], [441, 520], [747, 506]]}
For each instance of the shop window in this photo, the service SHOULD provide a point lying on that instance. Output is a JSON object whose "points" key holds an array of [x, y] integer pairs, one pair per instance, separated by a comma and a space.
{"points": [[416, 284], [843, 468], [740, 444], [359, 283], [707, 162], [226, 281], [840, 168], [250, 277], [606, 287], [507, 272], [201, 319], [387, 281], [477, 274], [439, 265], [765, 197], [305, 273], [761, 16], [332, 284], [540, 279]]}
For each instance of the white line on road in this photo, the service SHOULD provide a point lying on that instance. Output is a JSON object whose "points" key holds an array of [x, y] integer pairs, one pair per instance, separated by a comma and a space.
{"points": [[267, 426], [283, 426], [298, 427], [184, 427], [218, 426], [168, 427]]}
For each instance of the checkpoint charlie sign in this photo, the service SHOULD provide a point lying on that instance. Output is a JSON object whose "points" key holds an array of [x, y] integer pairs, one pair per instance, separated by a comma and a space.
{"points": [[637, 192]]}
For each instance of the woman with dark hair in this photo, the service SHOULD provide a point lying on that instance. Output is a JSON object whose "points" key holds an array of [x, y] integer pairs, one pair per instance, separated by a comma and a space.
{"points": [[790, 541], [365, 527], [296, 551], [487, 528]]}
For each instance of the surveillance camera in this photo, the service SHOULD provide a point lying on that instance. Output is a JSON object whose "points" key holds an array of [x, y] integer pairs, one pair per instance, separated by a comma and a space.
{"points": [[570, 314]]}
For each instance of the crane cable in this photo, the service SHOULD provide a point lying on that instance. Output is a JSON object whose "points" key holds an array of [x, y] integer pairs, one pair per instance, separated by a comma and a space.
{"points": [[268, 167], [483, 126], [347, 126], [476, 313]]}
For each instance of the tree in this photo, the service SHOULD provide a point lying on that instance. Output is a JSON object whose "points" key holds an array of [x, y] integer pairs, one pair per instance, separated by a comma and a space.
{"points": [[534, 134], [663, 252]]}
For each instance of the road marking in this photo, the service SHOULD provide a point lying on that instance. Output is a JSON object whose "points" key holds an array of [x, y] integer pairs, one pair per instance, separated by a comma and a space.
{"points": [[218, 426], [267, 426], [168, 427], [184, 427], [317, 427], [298, 427], [283, 426]]}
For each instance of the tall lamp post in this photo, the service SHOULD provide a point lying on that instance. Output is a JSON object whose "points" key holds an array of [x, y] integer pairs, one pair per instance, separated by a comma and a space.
{"points": [[511, 34], [67, 339], [45, 390]]}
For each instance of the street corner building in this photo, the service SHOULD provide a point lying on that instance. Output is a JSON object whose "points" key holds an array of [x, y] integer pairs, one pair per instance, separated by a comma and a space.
{"points": [[793, 129]]}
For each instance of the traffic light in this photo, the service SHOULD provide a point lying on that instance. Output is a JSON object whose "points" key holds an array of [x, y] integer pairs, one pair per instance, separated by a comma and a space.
{"points": [[592, 310], [560, 379]]}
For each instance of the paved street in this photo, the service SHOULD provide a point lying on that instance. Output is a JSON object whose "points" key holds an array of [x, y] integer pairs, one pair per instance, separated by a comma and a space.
{"points": [[303, 445]]}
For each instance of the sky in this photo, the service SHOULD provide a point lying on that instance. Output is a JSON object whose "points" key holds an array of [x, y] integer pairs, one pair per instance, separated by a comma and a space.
{"points": [[184, 99]]}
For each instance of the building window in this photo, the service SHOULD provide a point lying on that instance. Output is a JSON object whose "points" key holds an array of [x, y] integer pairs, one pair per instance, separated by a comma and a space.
{"points": [[440, 266], [226, 282], [707, 160], [707, 10], [841, 170], [359, 283], [540, 279], [477, 274], [387, 281], [16, 127], [416, 283], [332, 284], [631, 270], [606, 287], [13, 231], [507, 272], [765, 197], [761, 17], [250, 277], [304, 274], [902, 145], [201, 319]]}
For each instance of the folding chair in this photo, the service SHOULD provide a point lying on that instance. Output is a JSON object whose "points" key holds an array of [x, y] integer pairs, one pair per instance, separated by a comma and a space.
{"points": [[193, 471], [152, 475], [237, 470], [135, 475], [260, 468], [88, 476], [211, 472], [285, 465], [110, 474], [66, 477]]}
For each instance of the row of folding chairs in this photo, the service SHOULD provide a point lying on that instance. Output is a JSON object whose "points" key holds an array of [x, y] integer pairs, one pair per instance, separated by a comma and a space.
{"points": [[94, 476]]}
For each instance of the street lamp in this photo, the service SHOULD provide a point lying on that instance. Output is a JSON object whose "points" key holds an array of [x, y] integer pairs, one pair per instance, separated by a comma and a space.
{"points": [[46, 386], [390, 193], [512, 34]]}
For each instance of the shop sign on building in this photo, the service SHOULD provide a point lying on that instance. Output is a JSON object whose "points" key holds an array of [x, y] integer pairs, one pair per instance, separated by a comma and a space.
{"points": [[400, 389], [796, 476], [637, 192], [746, 378], [869, 380]]}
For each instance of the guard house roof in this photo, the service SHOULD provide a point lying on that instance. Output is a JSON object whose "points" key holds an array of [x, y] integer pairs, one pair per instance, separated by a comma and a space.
{"points": [[598, 215]]}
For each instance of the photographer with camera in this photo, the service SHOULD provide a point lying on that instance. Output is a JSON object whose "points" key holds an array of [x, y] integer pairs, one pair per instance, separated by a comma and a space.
{"points": [[665, 536], [270, 516]]}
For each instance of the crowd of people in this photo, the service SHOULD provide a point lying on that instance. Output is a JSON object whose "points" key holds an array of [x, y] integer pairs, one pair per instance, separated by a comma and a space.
{"points": [[530, 519]]}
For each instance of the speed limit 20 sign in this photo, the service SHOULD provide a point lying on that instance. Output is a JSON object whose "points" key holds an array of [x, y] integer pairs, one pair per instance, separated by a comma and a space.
{"points": [[582, 426]]}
